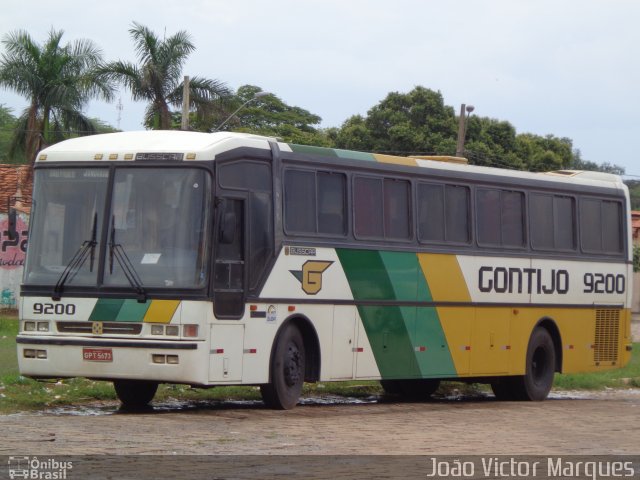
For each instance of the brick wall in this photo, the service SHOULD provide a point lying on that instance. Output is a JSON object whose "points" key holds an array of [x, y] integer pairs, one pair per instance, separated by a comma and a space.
{"points": [[14, 179], [13, 183]]}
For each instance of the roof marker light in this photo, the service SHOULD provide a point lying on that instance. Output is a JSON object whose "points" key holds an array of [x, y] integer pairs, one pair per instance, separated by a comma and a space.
{"points": [[98, 156], [113, 156]]}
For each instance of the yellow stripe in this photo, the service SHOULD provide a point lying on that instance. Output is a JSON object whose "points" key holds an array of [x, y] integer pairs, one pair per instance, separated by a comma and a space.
{"points": [[447, 284], [161, 311], [411, 162], [497, 337], [444, 277]]}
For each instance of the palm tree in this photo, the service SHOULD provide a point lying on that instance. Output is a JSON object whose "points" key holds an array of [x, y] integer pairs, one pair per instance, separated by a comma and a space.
{"points": [[58, 80], [158, 77]]}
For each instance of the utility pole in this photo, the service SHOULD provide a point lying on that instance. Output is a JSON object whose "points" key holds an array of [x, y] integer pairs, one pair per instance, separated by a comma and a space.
{"points": [[185, 104], [465, 111], [119, 107]]}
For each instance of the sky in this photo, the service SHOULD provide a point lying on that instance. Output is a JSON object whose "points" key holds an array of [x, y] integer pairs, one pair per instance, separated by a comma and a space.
{"points": [[570, 68]]}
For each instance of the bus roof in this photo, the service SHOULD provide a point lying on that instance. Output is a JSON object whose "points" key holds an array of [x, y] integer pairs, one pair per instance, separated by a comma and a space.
{"points": [[206, 146]]}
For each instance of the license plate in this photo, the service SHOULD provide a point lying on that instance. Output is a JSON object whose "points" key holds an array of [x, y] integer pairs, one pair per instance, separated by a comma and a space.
{"points": [[97, 354]]}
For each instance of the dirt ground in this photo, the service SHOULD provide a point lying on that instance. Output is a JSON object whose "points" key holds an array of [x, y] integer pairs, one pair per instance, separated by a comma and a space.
{"points": [[355, 440], [568, 423]]}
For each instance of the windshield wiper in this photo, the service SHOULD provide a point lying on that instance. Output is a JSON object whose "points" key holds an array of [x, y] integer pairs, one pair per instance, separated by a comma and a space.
{"points": [[86, 250], [117, 251]]}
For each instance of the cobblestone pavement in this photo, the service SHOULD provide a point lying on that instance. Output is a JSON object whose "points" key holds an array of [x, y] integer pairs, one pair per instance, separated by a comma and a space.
{"points": [[569, 423]]}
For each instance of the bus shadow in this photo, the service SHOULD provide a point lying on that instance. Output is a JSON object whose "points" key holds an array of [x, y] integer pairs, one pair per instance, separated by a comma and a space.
{"points": [[199, 406]]}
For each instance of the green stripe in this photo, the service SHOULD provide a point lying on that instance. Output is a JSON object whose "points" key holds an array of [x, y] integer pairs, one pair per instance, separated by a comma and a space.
{"points": [[133, 311], [402, 270], [118, 310], [308, 149], [106, 310], [394, 332], [351, 155], [367, 274], [436, 360], [331, 152], [386, 329]]}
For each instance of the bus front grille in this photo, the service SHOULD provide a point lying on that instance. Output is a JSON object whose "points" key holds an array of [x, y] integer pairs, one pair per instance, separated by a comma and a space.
{"points": [[109, 328], [605, 346]]}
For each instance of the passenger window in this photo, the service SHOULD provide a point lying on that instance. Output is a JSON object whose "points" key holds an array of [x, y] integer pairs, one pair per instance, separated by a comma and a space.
{"points": [[381, 208], [553, 222], [500, 217], [601, 226], [443, 213], [314, 202]]}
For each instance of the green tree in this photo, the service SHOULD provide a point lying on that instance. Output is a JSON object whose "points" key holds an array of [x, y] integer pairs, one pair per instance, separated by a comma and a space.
{"points": [[634, 193], [404, 123], [158, 78], [269, 115], [58, 81], [7, 126], [607, 167]]}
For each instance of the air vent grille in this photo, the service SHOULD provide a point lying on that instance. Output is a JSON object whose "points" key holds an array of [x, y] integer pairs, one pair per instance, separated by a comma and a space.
{"points": [[110, 328], [607, 334]]}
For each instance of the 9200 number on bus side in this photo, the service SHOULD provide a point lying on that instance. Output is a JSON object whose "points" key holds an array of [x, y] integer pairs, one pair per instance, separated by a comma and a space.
{"points": [[604, 283]]}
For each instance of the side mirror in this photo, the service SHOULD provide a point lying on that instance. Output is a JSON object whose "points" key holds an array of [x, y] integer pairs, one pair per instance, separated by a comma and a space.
{"points": [[13, 222], [228, 228]]}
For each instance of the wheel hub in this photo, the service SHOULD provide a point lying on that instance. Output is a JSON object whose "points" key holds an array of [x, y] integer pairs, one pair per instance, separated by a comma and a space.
{"points": [[292, 366]]}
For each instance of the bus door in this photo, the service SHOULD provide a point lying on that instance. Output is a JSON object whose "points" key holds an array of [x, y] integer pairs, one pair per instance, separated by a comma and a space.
{"points": [[229, 268], [227, 340]]}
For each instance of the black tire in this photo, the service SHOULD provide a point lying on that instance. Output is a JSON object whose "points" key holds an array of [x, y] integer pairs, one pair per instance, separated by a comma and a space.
{"points": [[415, 389], [503, 389], [537, 381], [286, 372], [135, 394]]}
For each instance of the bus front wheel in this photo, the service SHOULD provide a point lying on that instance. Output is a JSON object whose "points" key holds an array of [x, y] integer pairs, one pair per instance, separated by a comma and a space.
{"points": [[286, 372], [135, 394]]}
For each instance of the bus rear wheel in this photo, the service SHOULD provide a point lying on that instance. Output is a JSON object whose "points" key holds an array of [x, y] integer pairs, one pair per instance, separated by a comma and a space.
{"points": [[135, 394], [537, 381], [286, 372]]}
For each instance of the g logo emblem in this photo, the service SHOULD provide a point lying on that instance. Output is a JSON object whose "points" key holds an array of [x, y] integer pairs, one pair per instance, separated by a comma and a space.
{"points": [[311, 275]]}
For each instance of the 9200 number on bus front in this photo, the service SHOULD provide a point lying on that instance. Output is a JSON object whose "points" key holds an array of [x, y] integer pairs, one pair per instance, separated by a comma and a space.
{"points": [[54, 309]]}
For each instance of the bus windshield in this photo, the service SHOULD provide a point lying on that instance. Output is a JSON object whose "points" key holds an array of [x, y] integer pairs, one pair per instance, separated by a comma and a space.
{"points": [[157, 222]]}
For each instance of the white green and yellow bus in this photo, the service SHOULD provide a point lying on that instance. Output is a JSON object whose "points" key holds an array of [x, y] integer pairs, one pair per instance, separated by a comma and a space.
{"points": [[233, 259]]}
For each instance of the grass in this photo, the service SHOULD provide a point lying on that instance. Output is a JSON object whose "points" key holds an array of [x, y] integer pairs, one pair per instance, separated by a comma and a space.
{"points": [[629, 376], [8, 332], [18, 393]]}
